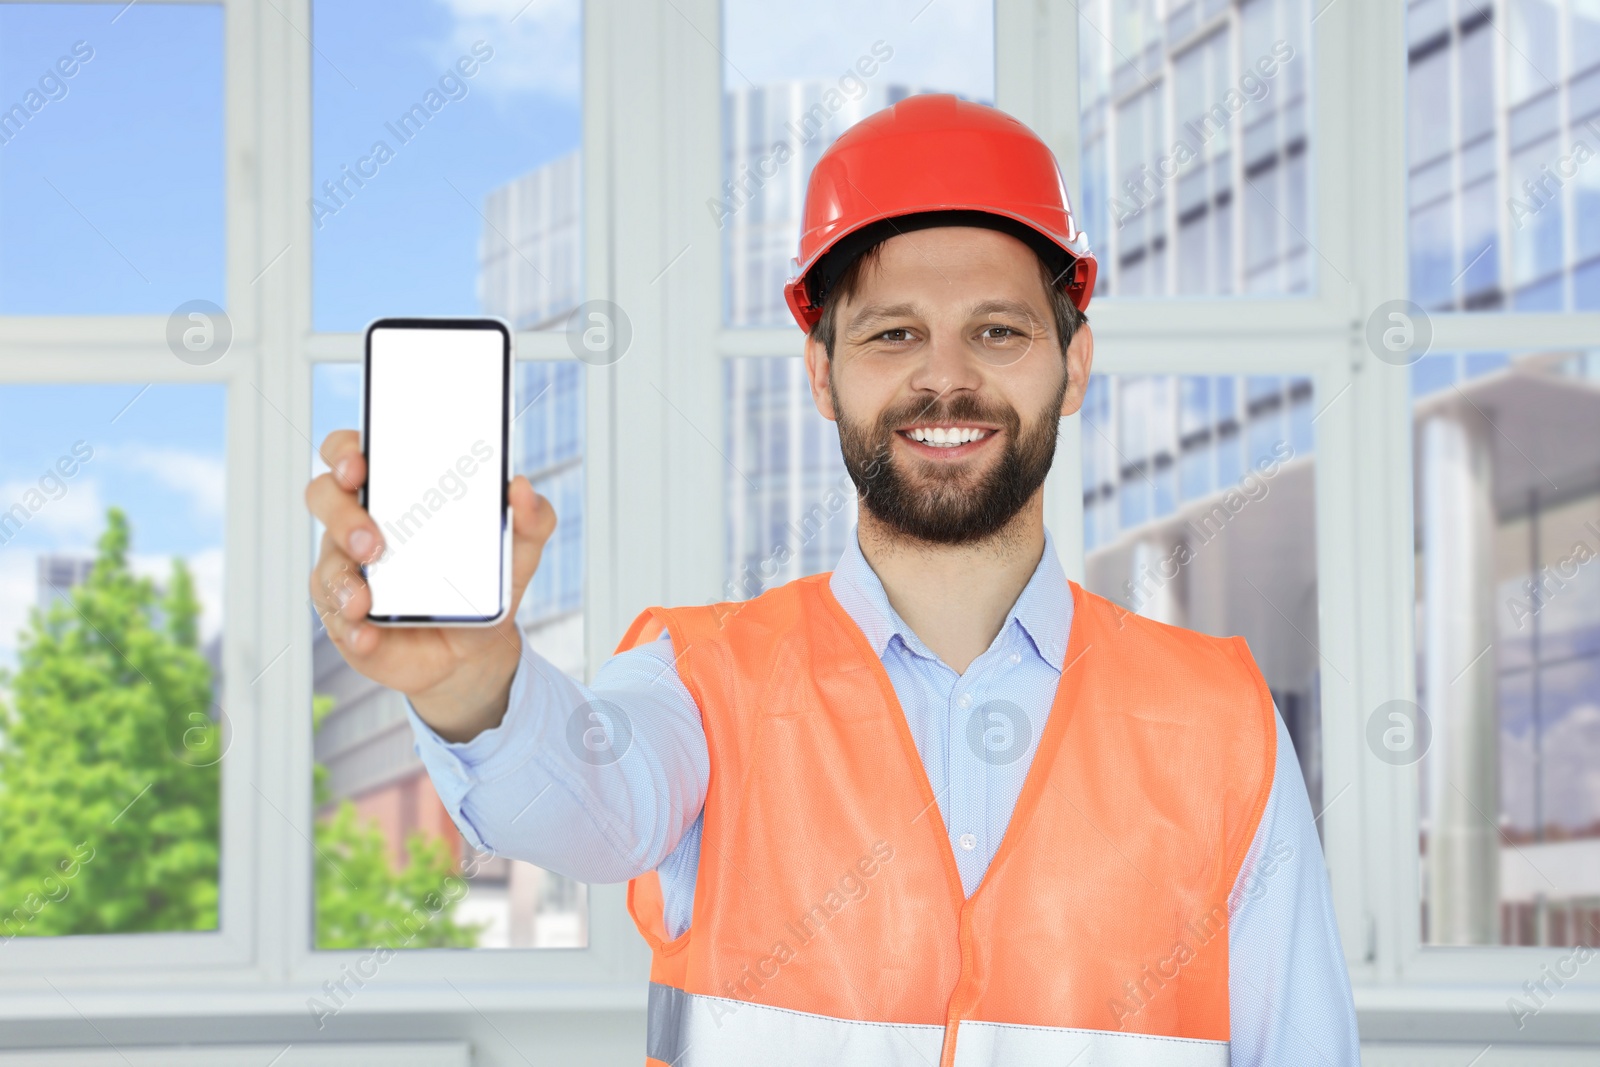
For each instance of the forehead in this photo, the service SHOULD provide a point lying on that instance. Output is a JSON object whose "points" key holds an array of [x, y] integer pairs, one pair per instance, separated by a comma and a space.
{"points": [[955, 268]]}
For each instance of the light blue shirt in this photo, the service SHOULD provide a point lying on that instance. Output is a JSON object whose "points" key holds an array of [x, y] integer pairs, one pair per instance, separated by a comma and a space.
{"points": [[531, 789]]}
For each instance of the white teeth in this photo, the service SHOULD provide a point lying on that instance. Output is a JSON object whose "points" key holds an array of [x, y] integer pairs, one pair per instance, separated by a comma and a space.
{"points": [[946, 437]]}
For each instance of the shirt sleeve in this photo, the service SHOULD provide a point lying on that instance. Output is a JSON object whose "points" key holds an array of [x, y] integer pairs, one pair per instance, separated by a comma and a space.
{"points": [[599, 784], [1288, 986]]}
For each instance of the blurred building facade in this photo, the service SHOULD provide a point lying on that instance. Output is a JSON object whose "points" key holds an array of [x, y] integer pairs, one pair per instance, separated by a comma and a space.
{"points": [[1504, 209], [1194, 145]]}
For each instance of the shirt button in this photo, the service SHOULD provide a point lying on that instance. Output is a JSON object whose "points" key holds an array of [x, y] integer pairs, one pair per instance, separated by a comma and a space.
{"points": [[969, 841], [964, 700], [1015, 657]]}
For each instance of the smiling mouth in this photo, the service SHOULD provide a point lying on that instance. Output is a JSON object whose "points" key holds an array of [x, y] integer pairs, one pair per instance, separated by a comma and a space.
{"points": [[947, 438]]}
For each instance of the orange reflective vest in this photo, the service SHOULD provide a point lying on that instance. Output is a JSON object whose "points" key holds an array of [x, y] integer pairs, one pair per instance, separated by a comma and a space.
{"points": [[829, 922]]}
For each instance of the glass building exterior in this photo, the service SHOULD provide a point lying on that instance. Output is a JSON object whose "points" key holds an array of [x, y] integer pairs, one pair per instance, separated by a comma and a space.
{"points": [[1504, 210]]}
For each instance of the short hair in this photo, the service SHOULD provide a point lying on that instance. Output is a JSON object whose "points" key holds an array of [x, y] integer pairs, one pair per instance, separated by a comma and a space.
{"points": [[1068, 317]]}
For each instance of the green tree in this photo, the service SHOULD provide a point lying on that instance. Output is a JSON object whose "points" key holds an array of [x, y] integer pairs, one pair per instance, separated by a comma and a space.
{"points": [[110, 752], [109, 768], [362, 901]]}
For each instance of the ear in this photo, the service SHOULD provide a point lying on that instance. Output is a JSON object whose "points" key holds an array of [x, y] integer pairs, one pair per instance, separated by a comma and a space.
{"points": [[1080, 357], [819, 369]]}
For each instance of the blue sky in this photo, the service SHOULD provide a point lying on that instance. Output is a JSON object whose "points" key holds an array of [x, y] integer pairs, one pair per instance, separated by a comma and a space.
{"points": [[406, 242], [942, 44], [157, 453], [111, 196]]}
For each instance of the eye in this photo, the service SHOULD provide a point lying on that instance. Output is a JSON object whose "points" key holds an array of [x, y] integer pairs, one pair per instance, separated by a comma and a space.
{"points": [[895, 335], [997, 333]]}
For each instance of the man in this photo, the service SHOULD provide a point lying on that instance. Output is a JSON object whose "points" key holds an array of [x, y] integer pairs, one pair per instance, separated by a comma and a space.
{"points": [[942, 805]]}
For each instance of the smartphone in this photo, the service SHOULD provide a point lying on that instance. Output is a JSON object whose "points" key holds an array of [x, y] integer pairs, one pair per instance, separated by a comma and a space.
{"points": [[435, 431]]}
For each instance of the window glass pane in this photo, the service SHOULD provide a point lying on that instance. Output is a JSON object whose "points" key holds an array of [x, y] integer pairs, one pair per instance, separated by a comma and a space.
{"points": [[112, 730], [791, 506], [1235, 133], [445, 160], [1508, 647], [384, 839], [111, 158], [1233, 550], [791, 78], [1504, 125]]}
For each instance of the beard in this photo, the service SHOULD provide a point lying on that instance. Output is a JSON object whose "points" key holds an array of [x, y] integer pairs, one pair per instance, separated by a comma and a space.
{"points": [[943, 503]]}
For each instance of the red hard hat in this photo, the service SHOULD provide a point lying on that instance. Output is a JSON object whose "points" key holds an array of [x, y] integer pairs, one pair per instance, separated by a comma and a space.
{"points": [[934, 160]]}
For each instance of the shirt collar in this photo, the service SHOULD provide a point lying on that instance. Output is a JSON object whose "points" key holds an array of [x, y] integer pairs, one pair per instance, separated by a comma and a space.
{"points": [[1043, 610]]}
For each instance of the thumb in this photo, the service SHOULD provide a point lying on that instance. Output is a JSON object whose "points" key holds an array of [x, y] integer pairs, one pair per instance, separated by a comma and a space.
{"points": [[532, 522]]}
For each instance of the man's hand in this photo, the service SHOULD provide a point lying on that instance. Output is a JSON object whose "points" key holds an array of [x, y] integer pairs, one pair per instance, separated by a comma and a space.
{"points": [[458, 677]]}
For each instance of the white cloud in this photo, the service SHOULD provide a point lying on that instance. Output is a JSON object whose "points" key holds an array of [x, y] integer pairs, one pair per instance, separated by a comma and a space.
{"points": [[540, 52], [75, 516], [946, 45], [1570, 773], [199, 477]]}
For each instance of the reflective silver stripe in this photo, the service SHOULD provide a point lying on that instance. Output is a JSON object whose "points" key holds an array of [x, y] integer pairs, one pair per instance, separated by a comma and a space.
{"points": [[690, 1030], [981, 1044], [663, 1035]]}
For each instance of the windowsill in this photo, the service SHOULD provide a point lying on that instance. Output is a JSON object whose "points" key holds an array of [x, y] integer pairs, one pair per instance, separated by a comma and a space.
{"points": [[257, 998]]}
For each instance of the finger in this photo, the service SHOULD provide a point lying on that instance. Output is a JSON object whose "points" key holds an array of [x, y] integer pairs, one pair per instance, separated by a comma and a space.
{"points": [[338, 585], [341, 451], [335, 581], [342, 600], [532, 521], [338, 509]]}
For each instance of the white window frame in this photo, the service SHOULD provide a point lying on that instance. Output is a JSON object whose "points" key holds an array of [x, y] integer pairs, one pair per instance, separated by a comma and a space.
{"points": [[655, 485]]}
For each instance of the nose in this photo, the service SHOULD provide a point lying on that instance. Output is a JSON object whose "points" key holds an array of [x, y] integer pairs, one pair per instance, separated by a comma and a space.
{"points": [[947, 366]]}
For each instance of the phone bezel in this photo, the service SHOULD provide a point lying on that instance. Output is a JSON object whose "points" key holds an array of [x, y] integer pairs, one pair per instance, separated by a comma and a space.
{"points": [[507, 360]]}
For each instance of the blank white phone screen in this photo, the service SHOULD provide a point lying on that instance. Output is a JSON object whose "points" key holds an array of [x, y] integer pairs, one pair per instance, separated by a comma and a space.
{"points": [[435, 407]]}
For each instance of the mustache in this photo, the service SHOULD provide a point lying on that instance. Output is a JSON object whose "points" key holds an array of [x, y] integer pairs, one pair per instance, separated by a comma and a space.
{"points": [[963, 407]]}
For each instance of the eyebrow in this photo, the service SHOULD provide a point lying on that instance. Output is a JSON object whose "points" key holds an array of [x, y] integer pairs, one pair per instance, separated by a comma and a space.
{"points": [[875, 312]]}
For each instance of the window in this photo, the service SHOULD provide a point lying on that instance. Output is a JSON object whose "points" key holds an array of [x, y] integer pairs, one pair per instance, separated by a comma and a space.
{"points": [[1199, 511], [1508, 649], [1194, 146], [110, 158], [609, 152], [1503, 186], [111, 698], [791, 505], [446, 136], [1503, 111], [115, 714]]}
